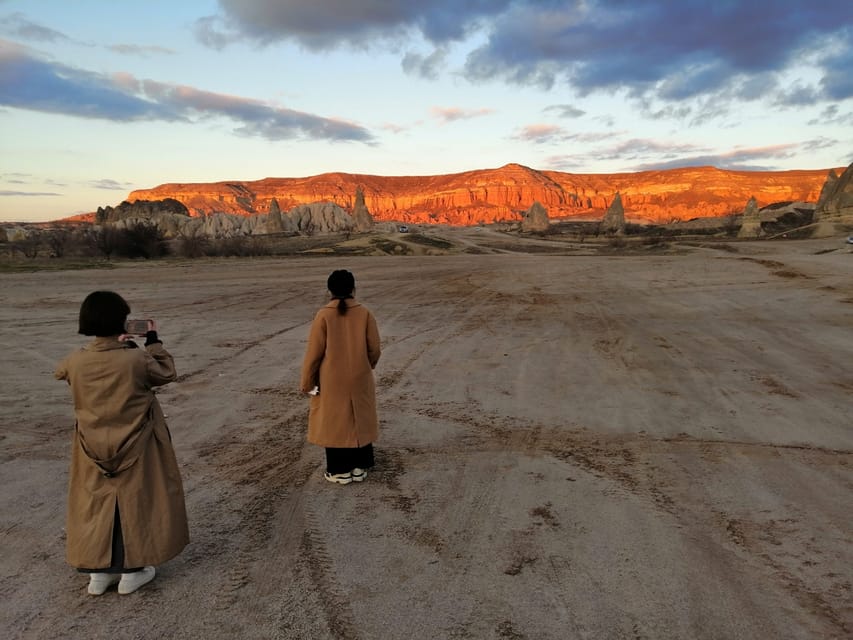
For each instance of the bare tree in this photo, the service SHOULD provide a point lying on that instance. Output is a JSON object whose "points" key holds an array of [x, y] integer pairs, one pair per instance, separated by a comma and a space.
{"points": [[192, 242], [107, 241], [732, 224], [30, 245], [59, 240], [144, 239]]}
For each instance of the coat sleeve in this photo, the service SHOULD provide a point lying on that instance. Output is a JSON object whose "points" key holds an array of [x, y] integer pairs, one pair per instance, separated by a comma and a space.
{"points": [[313, 355], [159, 365], [61, 371], [373, 347]]}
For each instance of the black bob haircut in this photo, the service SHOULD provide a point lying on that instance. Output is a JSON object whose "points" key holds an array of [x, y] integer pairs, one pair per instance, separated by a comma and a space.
{"points": [[102, 314]]}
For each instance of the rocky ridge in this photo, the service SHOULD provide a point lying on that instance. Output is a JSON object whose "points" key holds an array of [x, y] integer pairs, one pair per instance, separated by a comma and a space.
{"points": [[305, 219], [494, 195]]}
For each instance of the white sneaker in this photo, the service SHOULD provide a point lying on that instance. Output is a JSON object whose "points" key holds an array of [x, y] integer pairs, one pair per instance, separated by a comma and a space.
{"points": [[130, 582], [338, 478], [358, 475], [100, 582]]}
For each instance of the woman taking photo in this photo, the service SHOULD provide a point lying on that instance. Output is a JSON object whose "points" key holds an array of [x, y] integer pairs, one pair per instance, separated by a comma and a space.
{"points": [[343, 349], [126, 510]]}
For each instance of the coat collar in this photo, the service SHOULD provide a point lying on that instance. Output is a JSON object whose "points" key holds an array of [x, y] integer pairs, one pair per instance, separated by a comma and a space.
{"points": [[106, 344], [351, 302]]}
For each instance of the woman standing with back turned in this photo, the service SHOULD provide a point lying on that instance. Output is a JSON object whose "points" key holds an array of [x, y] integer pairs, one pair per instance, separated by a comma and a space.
{"points": [[343, 348], [126, 509]]}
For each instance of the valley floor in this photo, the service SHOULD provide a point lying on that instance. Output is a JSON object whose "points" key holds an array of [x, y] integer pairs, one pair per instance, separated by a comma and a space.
{"points": [[572, 446]]}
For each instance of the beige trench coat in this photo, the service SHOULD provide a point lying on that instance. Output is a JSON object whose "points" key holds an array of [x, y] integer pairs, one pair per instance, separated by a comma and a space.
{"points": [[342, 352], [121, 454]]}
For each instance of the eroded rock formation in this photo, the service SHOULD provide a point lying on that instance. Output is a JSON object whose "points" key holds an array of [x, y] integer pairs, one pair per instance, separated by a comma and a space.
{"points": [[275, 223], [750, 226], [535, 218], [361, 215], [493, 195], [613, 222], [307, 219], [147, 209], [835, 205], [320, 217]]}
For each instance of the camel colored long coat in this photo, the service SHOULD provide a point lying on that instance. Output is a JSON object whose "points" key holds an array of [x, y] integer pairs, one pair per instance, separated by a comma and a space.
{"points": [[121, 455], [341, 354]]}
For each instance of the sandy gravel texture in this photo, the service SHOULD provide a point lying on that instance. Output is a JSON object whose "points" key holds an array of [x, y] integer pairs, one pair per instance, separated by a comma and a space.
{"points": [[653, 446]]}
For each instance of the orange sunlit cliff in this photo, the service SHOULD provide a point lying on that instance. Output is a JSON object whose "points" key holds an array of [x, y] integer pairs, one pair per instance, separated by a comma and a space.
{"points": [[493, 195]]}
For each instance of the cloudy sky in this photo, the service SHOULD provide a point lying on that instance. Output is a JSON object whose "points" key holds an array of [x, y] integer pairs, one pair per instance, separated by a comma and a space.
{"points": [[101, 97]]}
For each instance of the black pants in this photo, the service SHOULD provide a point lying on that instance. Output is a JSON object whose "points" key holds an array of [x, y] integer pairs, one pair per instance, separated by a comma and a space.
{"points": [[117, 563], [345, 460]]}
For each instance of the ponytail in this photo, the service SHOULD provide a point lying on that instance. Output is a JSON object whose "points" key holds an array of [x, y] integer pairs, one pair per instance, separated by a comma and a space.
{"points": [[342, 305]]}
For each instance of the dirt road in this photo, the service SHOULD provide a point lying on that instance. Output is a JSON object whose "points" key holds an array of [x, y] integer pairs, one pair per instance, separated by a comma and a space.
{"points": [[572, 447]]}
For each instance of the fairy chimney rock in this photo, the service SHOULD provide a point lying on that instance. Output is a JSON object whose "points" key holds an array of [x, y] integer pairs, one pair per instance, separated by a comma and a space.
{"points": [[361, 216], [535, 218], [834, 210], [750, 226], [836, 197], [274, 222], [613, 222]]}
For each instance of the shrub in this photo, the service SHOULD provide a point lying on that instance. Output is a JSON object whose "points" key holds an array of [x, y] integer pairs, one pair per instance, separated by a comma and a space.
{"points": [[29, 245], [193, 245], [239, 246], [106, 241], [653, 241], [59, 241], [143, 240]]}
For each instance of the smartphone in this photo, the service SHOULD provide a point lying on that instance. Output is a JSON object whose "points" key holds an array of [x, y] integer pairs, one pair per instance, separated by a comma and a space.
{"points": [[136, 327]]}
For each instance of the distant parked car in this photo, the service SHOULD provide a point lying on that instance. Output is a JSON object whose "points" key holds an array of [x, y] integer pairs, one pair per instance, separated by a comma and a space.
{"points": [[849, 239], [403, 229]]}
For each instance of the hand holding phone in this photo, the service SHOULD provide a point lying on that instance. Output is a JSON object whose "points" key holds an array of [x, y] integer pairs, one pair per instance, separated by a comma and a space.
{"points": [[139, 327]]}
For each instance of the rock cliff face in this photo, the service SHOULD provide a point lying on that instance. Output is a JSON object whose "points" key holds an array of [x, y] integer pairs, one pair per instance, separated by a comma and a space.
{"points": [[494, 195]]}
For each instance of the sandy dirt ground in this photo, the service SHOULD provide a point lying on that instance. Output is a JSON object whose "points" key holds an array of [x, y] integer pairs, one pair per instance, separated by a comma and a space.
{"points": [[573, 446]]}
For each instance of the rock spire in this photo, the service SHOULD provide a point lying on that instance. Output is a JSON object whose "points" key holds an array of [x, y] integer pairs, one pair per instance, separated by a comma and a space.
{"points": [[535, 218], [613, 222], [361, 216], [835, 204], [750, 226]]}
